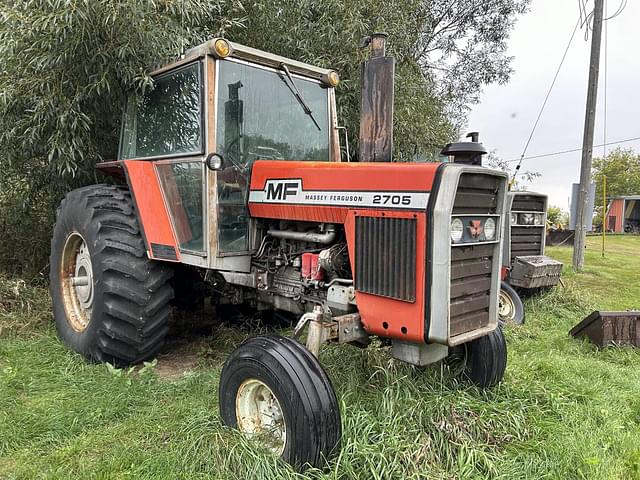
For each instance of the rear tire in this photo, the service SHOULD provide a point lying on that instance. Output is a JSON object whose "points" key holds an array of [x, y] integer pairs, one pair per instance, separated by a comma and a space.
{"points": [[307, 409], [120, 311]]}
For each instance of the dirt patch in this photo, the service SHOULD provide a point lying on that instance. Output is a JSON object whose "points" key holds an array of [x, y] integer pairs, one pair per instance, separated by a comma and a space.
{"points": [[179, 358]]}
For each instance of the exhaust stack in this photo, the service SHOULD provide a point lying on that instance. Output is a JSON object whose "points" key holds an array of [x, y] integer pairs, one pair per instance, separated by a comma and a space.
{"points": [[376, 111]]}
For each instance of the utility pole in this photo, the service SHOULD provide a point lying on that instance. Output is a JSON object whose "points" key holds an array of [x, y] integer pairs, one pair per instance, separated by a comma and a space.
{"points": [[604, 211], [583, 212]]}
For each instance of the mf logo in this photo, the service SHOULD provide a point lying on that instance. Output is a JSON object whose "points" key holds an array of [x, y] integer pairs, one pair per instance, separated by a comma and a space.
{"points": [[282, 189], [475, 228]]}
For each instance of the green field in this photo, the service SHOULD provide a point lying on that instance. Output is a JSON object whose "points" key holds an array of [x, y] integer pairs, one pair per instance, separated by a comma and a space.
{"points": [[565, 409]]}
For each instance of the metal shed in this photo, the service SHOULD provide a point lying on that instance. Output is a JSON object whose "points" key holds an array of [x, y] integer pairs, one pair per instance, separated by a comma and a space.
{"points": [[623, 214]]}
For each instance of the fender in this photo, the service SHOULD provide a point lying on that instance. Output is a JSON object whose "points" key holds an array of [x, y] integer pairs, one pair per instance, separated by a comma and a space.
{"points": [[150, 205]]}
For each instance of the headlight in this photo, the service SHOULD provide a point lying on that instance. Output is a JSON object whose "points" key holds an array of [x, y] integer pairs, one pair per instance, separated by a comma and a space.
{"points": [[490, 229], [514, 219], [526, 218], [457, 229], [538, 218]]}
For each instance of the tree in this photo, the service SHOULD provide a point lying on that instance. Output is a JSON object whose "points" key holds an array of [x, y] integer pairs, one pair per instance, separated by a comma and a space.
{"points": [[67, 66], [622, 169], [556, 216], [517, 180], [462, 46]]}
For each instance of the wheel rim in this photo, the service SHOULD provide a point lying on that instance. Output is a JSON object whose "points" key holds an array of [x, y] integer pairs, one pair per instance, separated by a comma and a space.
{"points": [[76, 274], [260, 416], [506, 306]]}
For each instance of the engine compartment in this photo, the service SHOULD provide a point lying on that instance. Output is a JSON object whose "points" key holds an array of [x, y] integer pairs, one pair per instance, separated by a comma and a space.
{"points": [[296, 266]]}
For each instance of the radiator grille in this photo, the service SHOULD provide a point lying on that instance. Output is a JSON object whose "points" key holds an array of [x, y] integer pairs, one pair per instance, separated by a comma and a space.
{"points": [[476, 194], [386, 257], [527, 203], [470, 287], [527, 241], [471, 266]]}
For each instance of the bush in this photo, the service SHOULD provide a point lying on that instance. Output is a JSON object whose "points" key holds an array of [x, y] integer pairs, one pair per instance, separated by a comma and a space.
{"points": [[23, 307]]}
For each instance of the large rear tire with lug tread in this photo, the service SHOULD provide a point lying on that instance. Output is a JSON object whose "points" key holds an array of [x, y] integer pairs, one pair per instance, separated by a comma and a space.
{"points": [[276, 392], [110, 301], [481, 361], [510, 306]]}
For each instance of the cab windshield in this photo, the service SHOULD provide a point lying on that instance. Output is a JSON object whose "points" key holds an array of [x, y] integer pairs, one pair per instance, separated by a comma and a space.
{"points": [[259, 117]]}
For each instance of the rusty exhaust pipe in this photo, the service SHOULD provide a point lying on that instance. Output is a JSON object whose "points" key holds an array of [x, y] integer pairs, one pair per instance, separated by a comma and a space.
{"points": [[376, 110]]}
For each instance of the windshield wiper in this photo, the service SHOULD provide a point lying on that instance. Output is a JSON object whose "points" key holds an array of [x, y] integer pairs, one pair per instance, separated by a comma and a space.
{"points": [[296, 93]]}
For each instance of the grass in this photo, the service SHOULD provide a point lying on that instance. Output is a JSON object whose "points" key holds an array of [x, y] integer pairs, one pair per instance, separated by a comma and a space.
{"points": [[565, 410]]}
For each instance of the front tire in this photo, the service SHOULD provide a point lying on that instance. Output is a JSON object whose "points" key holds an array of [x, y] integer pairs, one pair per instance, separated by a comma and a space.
{"points": [[481, 361], [510, 306], [275, 391], [110, 302]]}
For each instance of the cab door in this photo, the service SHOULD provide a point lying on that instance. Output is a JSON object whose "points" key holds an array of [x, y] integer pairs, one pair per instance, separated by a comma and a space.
{"points": [[164, 129]]}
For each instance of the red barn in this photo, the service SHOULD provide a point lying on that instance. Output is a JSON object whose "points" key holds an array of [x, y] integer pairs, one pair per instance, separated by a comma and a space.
{"points": [[623, 214]]}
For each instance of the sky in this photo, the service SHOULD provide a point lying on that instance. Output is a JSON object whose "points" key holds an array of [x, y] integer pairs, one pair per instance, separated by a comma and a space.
{"points": [[506, 113]]}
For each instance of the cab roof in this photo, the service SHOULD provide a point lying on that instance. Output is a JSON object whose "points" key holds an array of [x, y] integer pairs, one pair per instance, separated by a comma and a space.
{"points": [[248, 54]]}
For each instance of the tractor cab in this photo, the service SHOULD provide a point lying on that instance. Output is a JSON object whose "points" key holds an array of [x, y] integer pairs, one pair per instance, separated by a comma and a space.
{"points": [[224, 106]]}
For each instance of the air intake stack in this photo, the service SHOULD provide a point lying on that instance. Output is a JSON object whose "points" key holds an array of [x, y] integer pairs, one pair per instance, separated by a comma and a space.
{"points": [[376, 111], [467, 153]]}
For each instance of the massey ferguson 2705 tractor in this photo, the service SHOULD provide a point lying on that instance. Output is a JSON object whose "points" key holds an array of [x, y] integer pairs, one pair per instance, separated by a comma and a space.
{"points": [[231, 166]]}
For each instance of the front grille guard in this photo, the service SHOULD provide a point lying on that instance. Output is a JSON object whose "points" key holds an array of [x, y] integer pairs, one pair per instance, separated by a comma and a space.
{"points": [[437, 313], [508, 256]]}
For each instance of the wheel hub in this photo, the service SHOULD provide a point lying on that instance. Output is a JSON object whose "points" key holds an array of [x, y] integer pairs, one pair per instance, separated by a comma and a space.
{"points": [[260, 416], [83, 279], [506, 307], [76, 273]]}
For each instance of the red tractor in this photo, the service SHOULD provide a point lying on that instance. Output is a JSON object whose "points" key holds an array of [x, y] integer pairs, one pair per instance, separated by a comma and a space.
{"points": [[231, 166]]}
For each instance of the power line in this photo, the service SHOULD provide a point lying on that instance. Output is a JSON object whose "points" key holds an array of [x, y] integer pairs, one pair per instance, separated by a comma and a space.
{"points": [[544, 103], [584, 19], [623, 5], [587, 17], [560, 152]]}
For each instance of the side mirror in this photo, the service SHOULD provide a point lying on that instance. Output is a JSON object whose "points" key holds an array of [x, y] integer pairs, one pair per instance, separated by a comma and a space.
{"points": [[214, 161]]}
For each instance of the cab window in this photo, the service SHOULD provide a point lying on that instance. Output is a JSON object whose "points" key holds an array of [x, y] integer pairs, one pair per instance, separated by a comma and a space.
{"points": [[182, 184], [167, 120]]}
